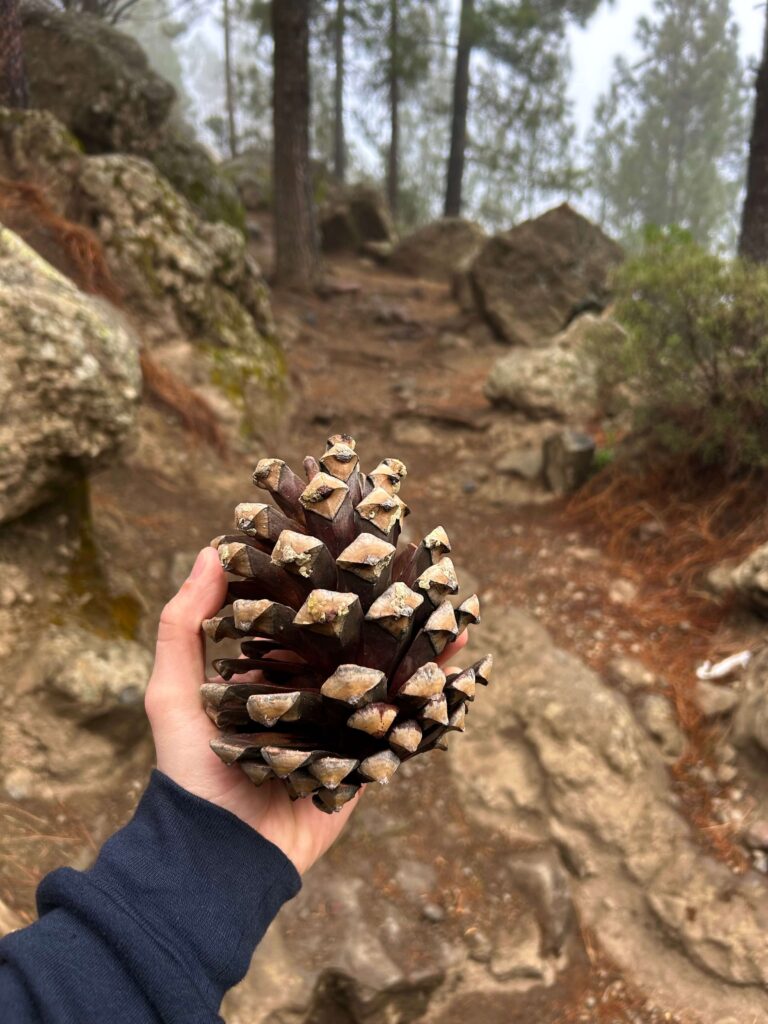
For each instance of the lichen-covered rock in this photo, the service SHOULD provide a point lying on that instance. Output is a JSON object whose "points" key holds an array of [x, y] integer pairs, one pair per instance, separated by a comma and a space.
{"points": [[529, 282], [557, 381], [98, 82], [172, 265], [70, 380], [92, 676], [95, 79], [438, 250], [36, 148]]}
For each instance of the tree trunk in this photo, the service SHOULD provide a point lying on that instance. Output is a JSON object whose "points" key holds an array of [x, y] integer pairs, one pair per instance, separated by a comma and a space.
{"points": [[229, 83], [13, 79], [455, 171], [753, 242], [339, 147], [297, 260], [393, 162]]}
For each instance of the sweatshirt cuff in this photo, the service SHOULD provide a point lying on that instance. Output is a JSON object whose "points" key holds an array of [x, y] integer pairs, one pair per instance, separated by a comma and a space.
{"points": [[200, 883]]}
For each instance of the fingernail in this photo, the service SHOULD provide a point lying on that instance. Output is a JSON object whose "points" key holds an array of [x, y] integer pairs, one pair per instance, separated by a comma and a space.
{"points": [[197, 568]]}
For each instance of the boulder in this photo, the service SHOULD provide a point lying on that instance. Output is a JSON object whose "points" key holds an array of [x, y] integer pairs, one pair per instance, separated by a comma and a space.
{"points": [[438, 250], [183, 271], [530, 282], [556, 755], [353, 217], [750, 581], [98, 82], [95, 79], [70, 385], [251, 174], [559, 381], [568, 458]]}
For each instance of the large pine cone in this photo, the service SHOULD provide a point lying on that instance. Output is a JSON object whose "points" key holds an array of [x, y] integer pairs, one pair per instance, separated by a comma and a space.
{"points": [[345, 628]]}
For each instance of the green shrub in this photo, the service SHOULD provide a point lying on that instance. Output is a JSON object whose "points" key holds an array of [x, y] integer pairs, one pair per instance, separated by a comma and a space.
{"points": [[693, 361]]}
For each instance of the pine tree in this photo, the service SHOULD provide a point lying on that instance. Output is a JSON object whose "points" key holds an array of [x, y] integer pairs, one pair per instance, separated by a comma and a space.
{"points": [[229, 83], [339, 143], [297, 260], [503, 33], [13, 79], [667, 147], [753, 242], [405, 26], [522, 151]]}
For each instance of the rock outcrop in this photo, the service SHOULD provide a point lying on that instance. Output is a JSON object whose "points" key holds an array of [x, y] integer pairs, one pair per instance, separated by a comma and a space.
{"points": [[172, 263], [187, 276], [530, 282], [438, 250], [98, 82], [71, 381], [559, 381], [95, 79], [559, 755]]}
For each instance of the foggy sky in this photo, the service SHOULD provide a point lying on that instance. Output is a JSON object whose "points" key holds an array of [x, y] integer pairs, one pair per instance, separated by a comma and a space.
{"points": [[609, 33]]}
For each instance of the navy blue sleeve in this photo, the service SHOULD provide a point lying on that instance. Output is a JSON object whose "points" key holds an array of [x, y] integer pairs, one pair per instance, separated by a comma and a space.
{"points": [[162, 925]]}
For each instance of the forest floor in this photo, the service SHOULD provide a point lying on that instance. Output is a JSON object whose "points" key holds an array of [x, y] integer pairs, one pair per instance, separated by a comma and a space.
{"points": [[390, 360]]}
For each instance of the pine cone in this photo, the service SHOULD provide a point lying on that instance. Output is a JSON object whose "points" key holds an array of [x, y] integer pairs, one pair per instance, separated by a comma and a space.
{"points": [[344, 627]]}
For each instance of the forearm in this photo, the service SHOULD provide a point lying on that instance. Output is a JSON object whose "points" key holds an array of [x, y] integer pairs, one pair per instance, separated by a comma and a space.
{"points": [[159, 929]]}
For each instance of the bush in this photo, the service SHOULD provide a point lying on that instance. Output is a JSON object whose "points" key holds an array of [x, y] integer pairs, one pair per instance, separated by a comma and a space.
{"points": [[693, 362]]}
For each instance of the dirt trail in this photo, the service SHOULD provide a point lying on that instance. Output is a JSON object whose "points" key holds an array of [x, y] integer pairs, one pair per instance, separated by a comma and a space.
{"points": [[391, 361]]}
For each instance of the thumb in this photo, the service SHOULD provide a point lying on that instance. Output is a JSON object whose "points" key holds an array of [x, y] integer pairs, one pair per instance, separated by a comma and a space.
{"points": [[179, 653]]}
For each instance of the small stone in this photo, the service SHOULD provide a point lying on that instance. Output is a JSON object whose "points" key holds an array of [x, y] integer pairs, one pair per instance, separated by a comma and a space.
{"points": [[517, 954], [726, 753], [756, 835], [433, 913], [521, 462], [715, 700], [630, 675], [726, 773], [416, 878], [567, 457], [450, 342], [622, 592], [8, 596], [469, 486]]}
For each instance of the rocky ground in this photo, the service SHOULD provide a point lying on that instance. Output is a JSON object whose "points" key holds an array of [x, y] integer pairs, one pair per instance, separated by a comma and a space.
{"points": [[544, 868]]}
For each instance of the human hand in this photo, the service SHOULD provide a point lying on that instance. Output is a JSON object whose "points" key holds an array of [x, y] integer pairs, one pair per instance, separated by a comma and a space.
{"points": [[182, 730]]}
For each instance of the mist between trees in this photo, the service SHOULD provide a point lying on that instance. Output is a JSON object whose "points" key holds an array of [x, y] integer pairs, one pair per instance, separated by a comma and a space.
{"points": [[389, 104]]}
